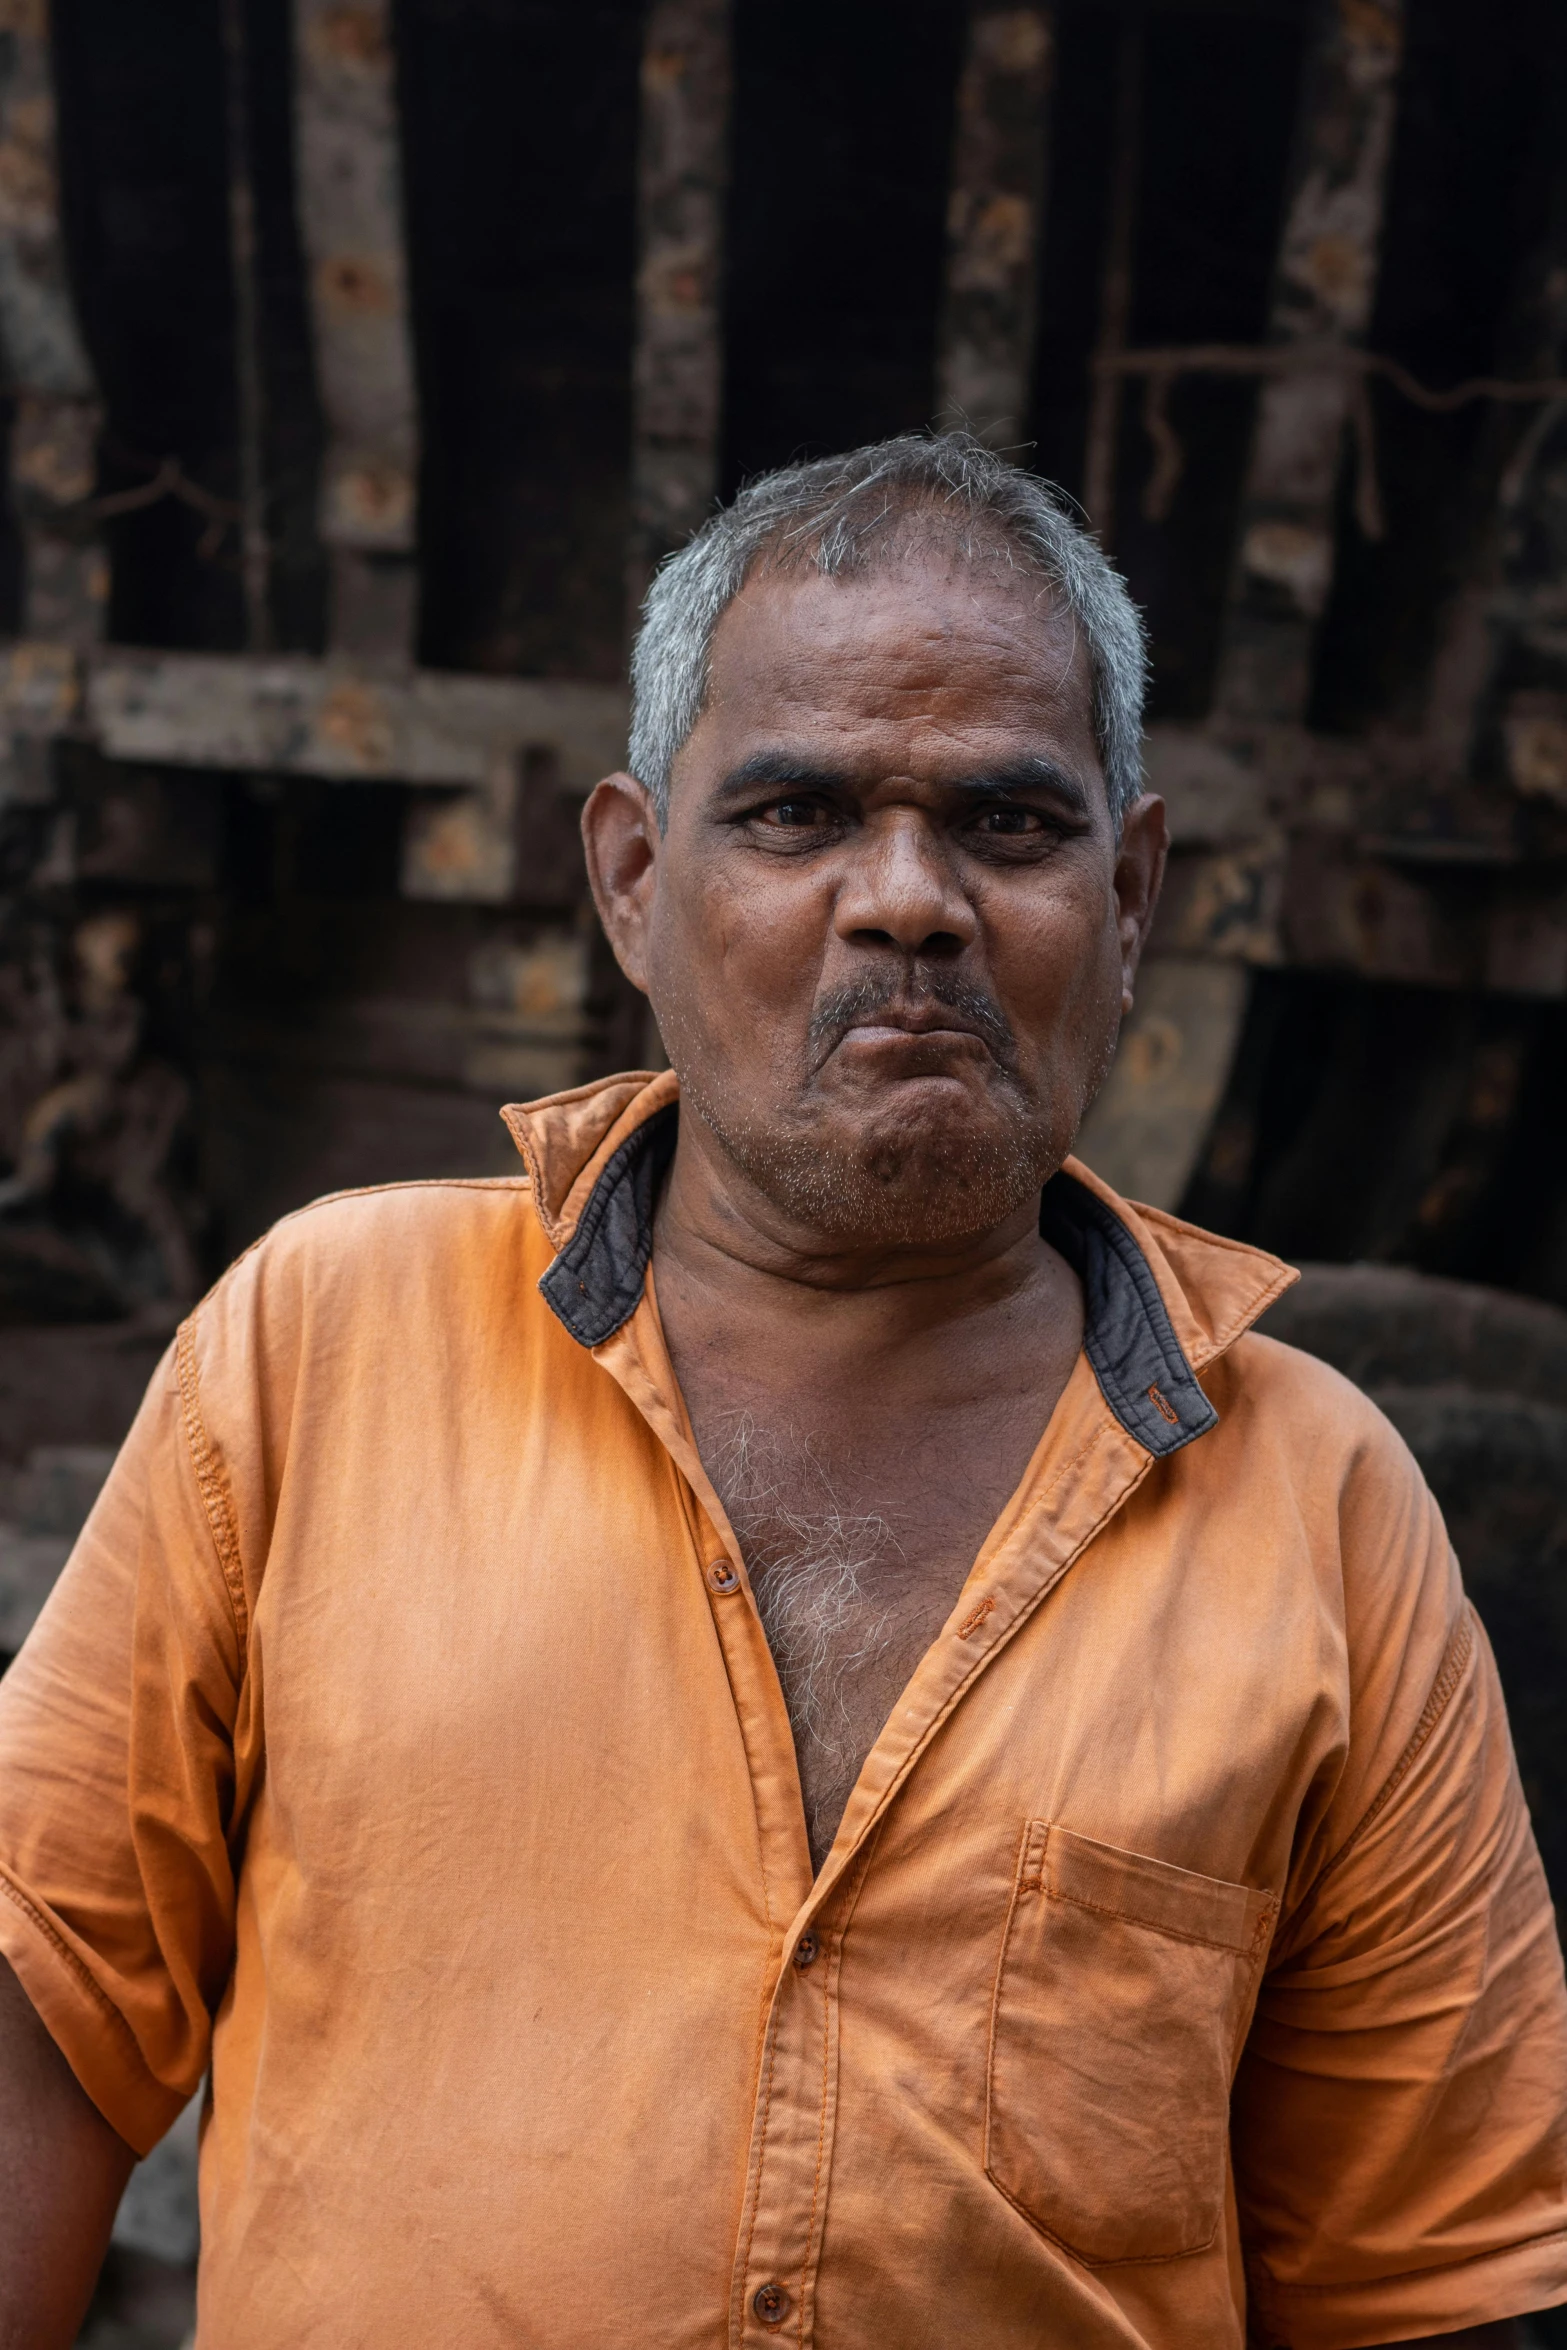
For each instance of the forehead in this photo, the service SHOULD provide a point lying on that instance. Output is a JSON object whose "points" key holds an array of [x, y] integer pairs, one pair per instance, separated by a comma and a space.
{"points": [[943, 654]]}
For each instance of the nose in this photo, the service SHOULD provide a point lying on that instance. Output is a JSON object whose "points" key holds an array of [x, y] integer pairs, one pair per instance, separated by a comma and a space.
{"points": [[901, 891]]}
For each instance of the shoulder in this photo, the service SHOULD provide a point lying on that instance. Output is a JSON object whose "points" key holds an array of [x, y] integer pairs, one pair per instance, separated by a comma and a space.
{"points": [[1385, 1569], [372, 1229], [391, 1259], [1332, 1481], [1314, 1426]]}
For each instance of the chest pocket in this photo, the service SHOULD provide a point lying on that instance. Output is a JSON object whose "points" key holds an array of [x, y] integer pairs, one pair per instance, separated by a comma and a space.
{"points": [[1123, 1992]]}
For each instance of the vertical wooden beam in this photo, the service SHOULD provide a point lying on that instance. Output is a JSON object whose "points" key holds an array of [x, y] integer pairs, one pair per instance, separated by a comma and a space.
{"points": [[351, 221], [677, 373], [985, 344], [254, 548], [1115, 288], [53, 462], [1323, 293]]}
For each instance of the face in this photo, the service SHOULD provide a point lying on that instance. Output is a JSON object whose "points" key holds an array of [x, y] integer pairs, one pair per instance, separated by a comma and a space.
{"points": [[888, 930]]}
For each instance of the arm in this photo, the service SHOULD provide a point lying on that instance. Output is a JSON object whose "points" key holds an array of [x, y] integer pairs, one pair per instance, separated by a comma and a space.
{"points": [[62, 2171], [116, 1883], [1398, 2107]]}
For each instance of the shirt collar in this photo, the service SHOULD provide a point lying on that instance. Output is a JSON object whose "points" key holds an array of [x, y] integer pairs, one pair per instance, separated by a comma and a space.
{"points": [[1160, 1298]]}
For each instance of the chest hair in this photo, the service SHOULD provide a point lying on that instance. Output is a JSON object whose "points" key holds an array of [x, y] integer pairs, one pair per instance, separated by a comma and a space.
{"points": [[827, 1582]]}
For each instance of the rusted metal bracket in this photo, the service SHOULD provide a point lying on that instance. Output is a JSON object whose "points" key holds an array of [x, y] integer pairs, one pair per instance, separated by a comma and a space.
{"points": [[1163, 367]]}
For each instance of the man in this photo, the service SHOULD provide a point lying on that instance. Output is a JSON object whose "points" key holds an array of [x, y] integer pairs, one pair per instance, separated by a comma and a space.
{"points": [[781, 1729]]}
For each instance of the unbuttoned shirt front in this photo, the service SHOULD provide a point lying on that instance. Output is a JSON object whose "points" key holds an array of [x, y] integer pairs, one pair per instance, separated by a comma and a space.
{"points": [[402, 1742]]}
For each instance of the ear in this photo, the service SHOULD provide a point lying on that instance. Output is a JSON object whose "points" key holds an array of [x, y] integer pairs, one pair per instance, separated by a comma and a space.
{"points": [[621, 842], [1139, 871]]}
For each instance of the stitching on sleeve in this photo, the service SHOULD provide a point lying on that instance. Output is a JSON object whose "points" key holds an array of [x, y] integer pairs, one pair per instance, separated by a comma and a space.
{"points": [[1459, 1651], [210, 1480], [63, 1951]]}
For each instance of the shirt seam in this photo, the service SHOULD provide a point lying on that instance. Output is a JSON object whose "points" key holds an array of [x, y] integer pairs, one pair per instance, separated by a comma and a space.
{"points": [[1243, 1321], [811, 2262], [1096, 1436], [1460, 1651], [73, 1965], [1026, 1609], [821, 2155], [761, 2154], [210, 1480], [330, 1199], [1245, 1950]]}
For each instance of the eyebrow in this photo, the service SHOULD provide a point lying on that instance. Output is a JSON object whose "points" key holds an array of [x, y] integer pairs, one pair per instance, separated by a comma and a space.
{"points": [[1032, 772]]}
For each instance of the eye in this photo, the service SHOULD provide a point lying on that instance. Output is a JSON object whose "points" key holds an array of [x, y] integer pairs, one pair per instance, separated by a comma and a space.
{"points": [[793, 815], [997, 823]]}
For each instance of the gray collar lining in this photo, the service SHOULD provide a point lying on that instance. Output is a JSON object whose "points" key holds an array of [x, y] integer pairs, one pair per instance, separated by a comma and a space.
{"points": [[1137, 1359], [595, 1282]]}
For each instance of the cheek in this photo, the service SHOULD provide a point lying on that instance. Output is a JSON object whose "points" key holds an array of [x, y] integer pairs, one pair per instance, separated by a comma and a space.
{"points": [[732, 962], [1057, 960]]}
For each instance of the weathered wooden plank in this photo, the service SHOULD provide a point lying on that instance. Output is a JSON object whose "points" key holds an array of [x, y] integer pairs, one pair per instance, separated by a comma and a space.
{"points": [[1115, 289], [985, 345], [1347, 908], [54, 441], [677, 370], [524, 1038], [1146, 1130], [1324, 287], [254, 547], [298, 716], [350, 207]]}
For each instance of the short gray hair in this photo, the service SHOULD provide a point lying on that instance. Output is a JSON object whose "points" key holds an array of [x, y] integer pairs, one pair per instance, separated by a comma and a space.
{"points": [[835, 515]]}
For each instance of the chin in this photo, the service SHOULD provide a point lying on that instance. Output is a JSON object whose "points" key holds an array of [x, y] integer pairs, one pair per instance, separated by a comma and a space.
{"points": [[928, 1163]]}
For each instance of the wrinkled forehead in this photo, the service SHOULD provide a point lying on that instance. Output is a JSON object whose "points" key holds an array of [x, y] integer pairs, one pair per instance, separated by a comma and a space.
{"points": [[928, 641]]}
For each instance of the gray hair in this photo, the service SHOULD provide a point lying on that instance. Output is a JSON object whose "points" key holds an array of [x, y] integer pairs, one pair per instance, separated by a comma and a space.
{"points": [[840, 514]]}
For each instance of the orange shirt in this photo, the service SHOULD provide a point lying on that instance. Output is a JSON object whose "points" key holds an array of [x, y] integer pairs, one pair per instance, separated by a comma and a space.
{"points": [[402, 1741]]}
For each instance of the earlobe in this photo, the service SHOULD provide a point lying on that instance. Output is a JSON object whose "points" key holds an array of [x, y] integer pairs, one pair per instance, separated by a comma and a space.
{"points": [[621, 842]]}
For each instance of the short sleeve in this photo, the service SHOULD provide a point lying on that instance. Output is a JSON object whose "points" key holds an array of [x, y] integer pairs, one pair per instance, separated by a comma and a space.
{"points": [[117, 1778], [1398, 2123]]}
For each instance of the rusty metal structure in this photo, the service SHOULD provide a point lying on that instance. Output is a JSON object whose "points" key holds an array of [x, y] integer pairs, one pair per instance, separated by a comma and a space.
{"points": [[360, 360]]}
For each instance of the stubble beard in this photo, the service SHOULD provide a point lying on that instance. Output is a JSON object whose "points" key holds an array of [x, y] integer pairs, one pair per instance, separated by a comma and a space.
{"points": [[858, 1173], [864, 1169], [868, 1188]]}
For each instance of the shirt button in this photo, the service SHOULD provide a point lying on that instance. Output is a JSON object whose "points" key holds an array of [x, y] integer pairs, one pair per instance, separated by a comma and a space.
{"points": [[722, 1576], [806, 1951], [772, 2304]]}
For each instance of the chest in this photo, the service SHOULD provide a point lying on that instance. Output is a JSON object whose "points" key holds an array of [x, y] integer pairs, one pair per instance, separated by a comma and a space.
{"points": [[858, 1536]]}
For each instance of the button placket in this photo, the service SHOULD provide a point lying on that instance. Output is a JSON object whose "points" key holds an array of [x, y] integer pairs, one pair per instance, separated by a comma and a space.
{"points": [[791, 2160]]}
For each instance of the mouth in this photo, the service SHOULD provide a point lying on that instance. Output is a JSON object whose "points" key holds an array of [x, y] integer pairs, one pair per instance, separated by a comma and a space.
{"points": [[895, 1021], [910, 1042], [912, 1031]]}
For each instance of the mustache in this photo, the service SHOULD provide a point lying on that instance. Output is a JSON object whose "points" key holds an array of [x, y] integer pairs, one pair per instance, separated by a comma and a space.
{"points": [[843, 1008]]}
